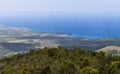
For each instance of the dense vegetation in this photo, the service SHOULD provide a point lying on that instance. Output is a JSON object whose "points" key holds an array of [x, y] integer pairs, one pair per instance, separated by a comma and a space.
{"points": [[60, 61]]}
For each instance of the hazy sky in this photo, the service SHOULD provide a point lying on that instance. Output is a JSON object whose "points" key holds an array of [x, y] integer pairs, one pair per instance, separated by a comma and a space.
{"points": [[59, 7]]}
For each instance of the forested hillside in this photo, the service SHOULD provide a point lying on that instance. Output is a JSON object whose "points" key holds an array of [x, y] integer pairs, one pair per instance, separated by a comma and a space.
{"points": [[60, 61]]}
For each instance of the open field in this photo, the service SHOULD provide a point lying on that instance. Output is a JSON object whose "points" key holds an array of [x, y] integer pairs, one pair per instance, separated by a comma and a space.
{"points": [[14, 40]]}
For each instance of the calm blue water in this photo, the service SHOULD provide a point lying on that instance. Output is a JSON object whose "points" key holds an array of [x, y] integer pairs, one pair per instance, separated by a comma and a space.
{"points": [[82, 27]]}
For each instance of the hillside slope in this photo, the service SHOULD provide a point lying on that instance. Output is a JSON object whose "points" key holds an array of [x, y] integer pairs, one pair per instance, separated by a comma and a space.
{"points": [[60, 61], [115, 50], [19, 39]]}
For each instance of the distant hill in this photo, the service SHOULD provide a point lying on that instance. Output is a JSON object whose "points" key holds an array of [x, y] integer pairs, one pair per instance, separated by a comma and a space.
{"points": [[60, 61], [115, 50], [17, 39], [6, 31]]}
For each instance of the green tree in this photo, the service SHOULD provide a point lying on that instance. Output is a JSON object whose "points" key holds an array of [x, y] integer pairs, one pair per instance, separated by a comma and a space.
{"points": [[89, 70], [46, 70], [114, 68], [68, 68]]}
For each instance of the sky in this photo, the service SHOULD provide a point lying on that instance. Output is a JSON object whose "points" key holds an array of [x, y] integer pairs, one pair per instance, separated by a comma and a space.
{"points": [[45, 8], [45, 15]]}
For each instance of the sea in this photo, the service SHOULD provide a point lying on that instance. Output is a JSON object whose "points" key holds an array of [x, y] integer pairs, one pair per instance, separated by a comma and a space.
{"points": [[102, 27]]}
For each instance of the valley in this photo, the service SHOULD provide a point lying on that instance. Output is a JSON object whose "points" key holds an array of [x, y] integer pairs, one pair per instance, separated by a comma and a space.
{"points": [[16, 40]]}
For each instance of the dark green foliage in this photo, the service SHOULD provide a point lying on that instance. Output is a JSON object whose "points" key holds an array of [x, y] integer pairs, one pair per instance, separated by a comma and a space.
{"points": [[60, 61], [68, 68], [46, 70], [89, 70], [114, 68]]}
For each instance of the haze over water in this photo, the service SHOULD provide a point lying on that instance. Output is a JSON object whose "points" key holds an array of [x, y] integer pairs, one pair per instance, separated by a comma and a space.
{"points": [[78, 27], [82, 18]]}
